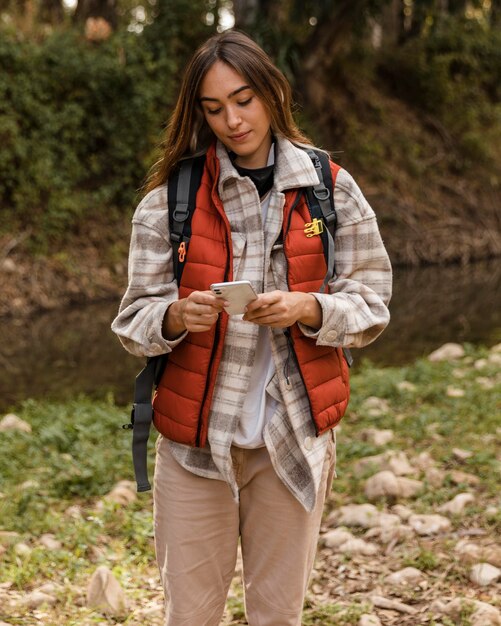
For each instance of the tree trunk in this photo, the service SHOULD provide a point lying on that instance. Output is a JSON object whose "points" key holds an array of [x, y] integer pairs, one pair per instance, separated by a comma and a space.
{"points": [[51, 11], [97, 8]]}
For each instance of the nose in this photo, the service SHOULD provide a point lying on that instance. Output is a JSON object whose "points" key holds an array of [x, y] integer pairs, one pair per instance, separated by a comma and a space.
{"points": [[233, 118]]}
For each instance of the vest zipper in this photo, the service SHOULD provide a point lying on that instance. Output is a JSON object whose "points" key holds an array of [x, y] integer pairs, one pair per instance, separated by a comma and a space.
{"points": [[214, 348], [287, 332]]}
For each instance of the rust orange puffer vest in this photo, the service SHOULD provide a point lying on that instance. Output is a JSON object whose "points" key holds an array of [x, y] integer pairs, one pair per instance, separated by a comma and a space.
{"points": [[183, 398]]}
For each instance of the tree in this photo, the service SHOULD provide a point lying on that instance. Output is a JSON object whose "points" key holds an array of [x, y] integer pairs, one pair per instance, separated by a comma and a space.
{"points": [[107, 9]]}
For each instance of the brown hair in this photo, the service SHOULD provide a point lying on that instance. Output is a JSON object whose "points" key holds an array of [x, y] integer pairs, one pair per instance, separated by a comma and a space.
{"points": [[188, 132]]}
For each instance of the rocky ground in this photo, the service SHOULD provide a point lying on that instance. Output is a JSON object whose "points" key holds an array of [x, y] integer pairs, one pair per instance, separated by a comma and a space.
{"points": [[411, 533]]}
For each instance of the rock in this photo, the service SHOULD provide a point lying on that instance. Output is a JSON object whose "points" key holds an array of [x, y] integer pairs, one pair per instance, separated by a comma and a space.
{"points": [[484, 574], [480, 364], [491, 511], [496, 348], [494, 358], [485, 383], [434, 477], [390, 534], [394, 605], [406, 576], [455, 392], [461, 455], [386, 485], [473, 553], [459, 478], [8, 536], [22, 549], [377, 437], [29, 484], [429, 524], [123, 493], [398, 463], [50, 542], [374, 406], [405, 385], [9, 266], [358, 546], [74, 511], [367, 620], [423, 461], [13, 422], [382, 485], [403, 512], [36, 598], [362, 515], [457, 504], [408, 487], [336, 538], [483, 614], [105, 593], [376, 462], [447, 352]]}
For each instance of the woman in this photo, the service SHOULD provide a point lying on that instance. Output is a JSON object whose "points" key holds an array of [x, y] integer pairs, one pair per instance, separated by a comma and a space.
{"points": [[246, 410]]}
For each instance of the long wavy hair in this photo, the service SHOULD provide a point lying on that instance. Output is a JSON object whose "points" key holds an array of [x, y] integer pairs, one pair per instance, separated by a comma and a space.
{"points": [[187, 131]]}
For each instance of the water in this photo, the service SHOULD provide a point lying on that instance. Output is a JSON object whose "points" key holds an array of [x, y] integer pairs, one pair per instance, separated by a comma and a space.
{"points": [[62, 353]]}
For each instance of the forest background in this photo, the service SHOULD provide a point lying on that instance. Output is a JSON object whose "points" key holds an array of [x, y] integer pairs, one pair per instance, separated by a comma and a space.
{"points": [[405, 93]]}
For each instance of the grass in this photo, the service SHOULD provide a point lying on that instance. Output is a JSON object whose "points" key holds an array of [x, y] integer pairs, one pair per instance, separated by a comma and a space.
{"points": [[77, 451]]}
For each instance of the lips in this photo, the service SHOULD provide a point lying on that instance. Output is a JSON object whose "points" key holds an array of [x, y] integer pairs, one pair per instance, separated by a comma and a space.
{"points": [[240, 136]]}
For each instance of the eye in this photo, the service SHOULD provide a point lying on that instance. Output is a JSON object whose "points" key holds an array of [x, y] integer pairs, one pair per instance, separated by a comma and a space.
{"points": [[213, 111], [244, 103]]}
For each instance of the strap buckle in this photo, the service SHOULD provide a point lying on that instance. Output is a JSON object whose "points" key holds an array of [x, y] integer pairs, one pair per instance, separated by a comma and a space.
{"points": [[181, 212]]}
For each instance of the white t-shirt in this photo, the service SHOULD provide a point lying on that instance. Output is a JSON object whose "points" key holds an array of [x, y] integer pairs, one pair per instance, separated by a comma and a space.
{"points": [[259, 406]]}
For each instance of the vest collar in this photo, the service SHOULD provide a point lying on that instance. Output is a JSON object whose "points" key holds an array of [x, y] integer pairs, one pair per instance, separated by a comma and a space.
{"points": [[293, 167]]}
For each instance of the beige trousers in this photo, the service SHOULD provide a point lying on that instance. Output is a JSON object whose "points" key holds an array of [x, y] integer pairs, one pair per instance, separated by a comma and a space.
{"points": [[197, 529]]}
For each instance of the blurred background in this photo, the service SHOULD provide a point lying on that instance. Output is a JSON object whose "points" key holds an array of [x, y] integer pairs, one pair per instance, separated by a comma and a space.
{"points": [[404, 93]]}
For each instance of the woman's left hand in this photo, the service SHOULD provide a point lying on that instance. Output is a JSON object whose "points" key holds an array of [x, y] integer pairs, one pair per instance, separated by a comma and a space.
{"points": [[281, 309]]}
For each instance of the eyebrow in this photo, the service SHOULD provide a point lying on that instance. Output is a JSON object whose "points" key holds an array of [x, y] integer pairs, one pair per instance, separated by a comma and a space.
{"points": [[230, 95]]}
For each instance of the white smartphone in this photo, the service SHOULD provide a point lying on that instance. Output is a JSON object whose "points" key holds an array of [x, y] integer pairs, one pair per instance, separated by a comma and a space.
{"points": [[238, 293]]}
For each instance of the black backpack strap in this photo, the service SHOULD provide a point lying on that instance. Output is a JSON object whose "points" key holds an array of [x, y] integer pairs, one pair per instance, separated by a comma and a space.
{"points": [[320, 200], [182, 192]]}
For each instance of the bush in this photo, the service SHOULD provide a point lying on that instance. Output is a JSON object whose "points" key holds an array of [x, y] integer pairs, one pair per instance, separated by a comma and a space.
{"points": [[454, 75]]}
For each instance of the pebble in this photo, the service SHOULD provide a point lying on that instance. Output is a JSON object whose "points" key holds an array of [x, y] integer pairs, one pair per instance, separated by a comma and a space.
{"points": [[424, 461], [37, 598], [394, 605], [459, 477], [471, 552], [485, 383], [461, 455], [399, 464], [362, 515], [374, 406], [403, 512], [447, 352], [377, 437], [405, 385], [382, 485], [390, 534], [358, 546], [22, 549], [429, 524], [335, 538], [434, 477], [367, 619], [13, 422], [480, 364], [105, 593], [408, 487], [455, 392], [123, 493], [483, 614], [49, 541], [484, 574], [457, 504], [406, 576]]}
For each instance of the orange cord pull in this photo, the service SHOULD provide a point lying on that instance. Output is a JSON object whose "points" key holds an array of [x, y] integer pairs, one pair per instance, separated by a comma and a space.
{"points": [[181, 251]]}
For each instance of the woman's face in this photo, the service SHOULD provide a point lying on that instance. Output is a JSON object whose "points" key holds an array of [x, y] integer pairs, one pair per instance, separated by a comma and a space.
{"points": [[236, 115]]}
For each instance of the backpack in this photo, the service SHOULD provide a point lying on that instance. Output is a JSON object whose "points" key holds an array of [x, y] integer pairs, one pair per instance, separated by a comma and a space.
{"points": [[182, 190]]}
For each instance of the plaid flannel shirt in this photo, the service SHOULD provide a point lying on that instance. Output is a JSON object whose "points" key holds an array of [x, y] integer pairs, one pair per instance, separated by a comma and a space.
{"points": [[354, 311]]}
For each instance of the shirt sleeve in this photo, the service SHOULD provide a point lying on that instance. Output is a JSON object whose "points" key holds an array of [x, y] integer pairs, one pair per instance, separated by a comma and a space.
{"points": [[152, 287], [355, 309]]}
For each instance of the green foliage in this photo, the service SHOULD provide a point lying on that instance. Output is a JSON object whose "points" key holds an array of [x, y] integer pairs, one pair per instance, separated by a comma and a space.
{"points": [[453, 74], [79, 120]]}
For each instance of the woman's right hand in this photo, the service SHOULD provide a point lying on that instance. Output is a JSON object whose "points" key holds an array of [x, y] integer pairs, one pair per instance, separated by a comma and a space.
{"points": [[196, 313]]}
